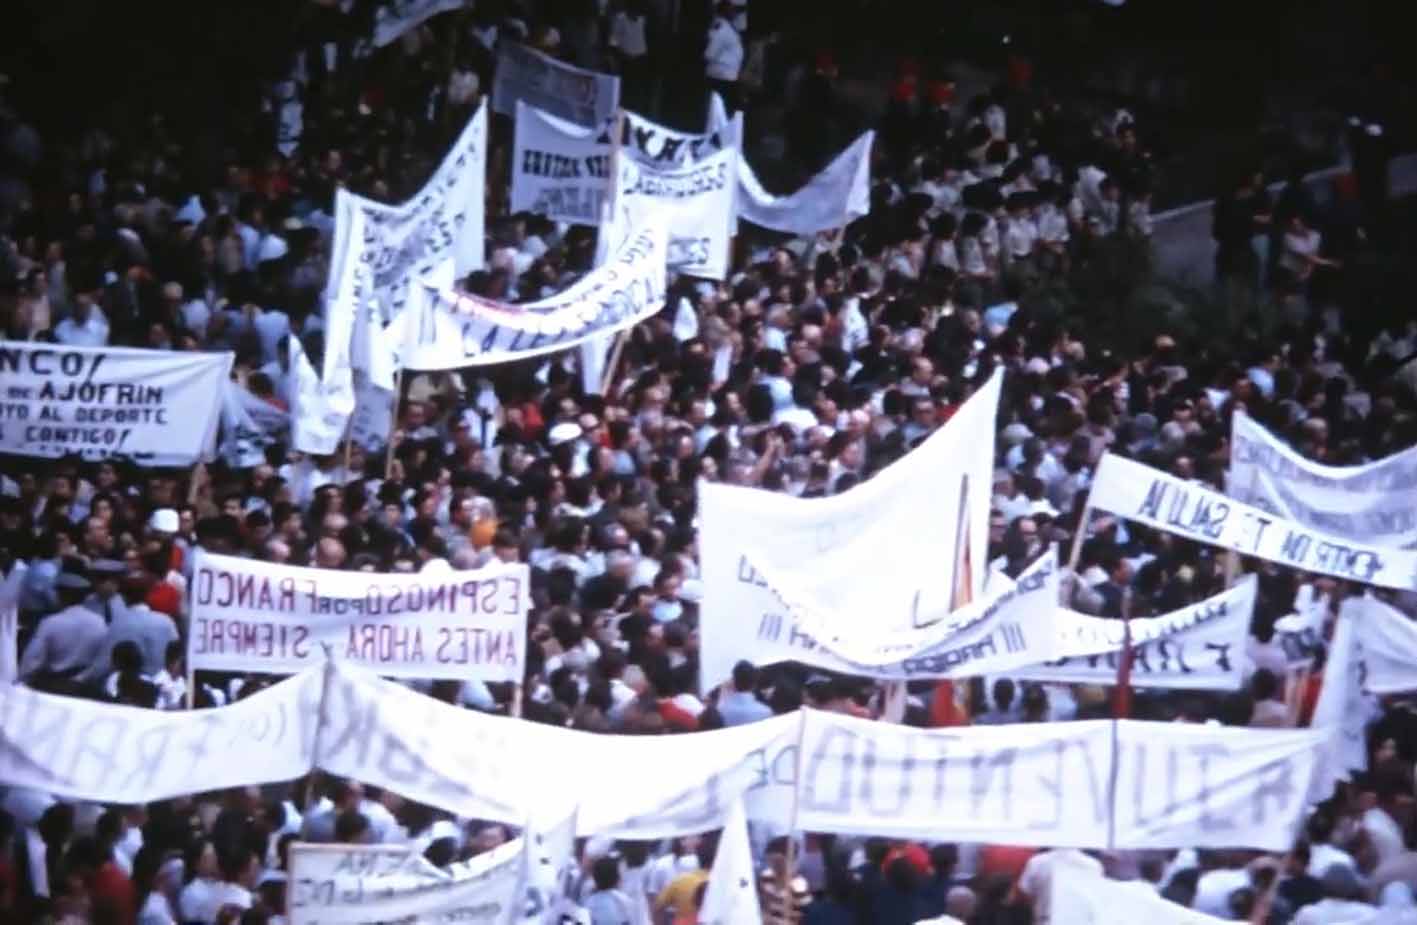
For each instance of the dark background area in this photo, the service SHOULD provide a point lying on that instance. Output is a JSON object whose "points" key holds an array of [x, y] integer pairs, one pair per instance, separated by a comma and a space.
{"points": [[1208, 75]]}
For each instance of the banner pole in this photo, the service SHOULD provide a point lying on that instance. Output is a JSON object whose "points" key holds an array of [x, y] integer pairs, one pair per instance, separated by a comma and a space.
{"points": [[604, 246], [398, 409], [1079, 534], [790, 867]]}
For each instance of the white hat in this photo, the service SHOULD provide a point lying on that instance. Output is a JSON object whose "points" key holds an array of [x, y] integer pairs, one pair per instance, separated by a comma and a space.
{"points": [[564, 432], [435, 567], [163, 520], [191, 211], [272, 248]]}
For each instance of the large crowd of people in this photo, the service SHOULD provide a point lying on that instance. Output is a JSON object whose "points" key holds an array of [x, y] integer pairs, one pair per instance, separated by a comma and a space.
{"points": [[813, 366]]}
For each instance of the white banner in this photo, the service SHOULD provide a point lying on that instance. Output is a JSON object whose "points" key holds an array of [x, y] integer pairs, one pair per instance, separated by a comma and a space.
{"points": [[878, 564], [319, 409], [401, 244], [248, 426], [1176, 785], [370, 884], [1010, 628], [393, 18], [1137, 492], [492, 767], [248, 615], [449, 330], [1389, 648], [838, 195], [697, 200], [834, 198], [1079, 898], [1373, 503], [525, 75], [155, 407], [731, 897], [1200, 647], [10, 623], [82, 750], [559, 169]]}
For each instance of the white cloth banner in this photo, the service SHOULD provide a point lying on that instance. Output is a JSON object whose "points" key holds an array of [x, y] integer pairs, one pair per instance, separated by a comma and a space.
{"points": [[492, 767], [834, 198], [402, 243], [1373, 503], [1028, 784], [838, 195], [1082, 899], [248, 426], [248, 615], [526, 75], [155, 407], [559, 169], [10, 623], [1200, 647], [1010, 628], [1137, 492], [370, 884], [82, 750], [876, 565], [1176, 785], [731, 897], [1340, 704], [448, 330], [690, 179], [319, 410], [393, 18], [1388, 638]]}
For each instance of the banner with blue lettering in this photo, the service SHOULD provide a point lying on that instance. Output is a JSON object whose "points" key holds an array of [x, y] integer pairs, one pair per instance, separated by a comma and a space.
{"points": [[1158, 499], [1198, 647], [257, 616], [444, 329], [155, 407]]}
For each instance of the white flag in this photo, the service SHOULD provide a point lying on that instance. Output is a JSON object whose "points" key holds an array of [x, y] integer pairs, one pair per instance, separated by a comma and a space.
{"points": [[321, 411], [732, 894]]}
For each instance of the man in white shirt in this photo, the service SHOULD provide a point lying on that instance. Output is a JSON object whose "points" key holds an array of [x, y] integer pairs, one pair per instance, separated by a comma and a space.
{"points": [[87, 327], [723, 56]]}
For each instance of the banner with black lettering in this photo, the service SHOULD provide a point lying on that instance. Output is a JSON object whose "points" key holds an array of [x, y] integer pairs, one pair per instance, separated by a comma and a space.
{"points": [[1008, 629], [248, 615], [396, 245], [1138, 492], [102, 753], [559, 169], [249, 425], [1375, 502], [155, 407], [443, 329], [370, 884], [1175, 786], [393, 18], [528, 76], [887, 547], [1200, 647]]}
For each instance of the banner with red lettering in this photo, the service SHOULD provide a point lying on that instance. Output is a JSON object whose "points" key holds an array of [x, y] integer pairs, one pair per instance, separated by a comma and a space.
{"points": [[256, 616]]}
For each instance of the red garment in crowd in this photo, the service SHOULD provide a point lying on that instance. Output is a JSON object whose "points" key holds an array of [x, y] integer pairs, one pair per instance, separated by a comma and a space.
{"points": [[918, 857], [164, 598], [1004, 859], [677, 718], [115, 899], [943, 709]]}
